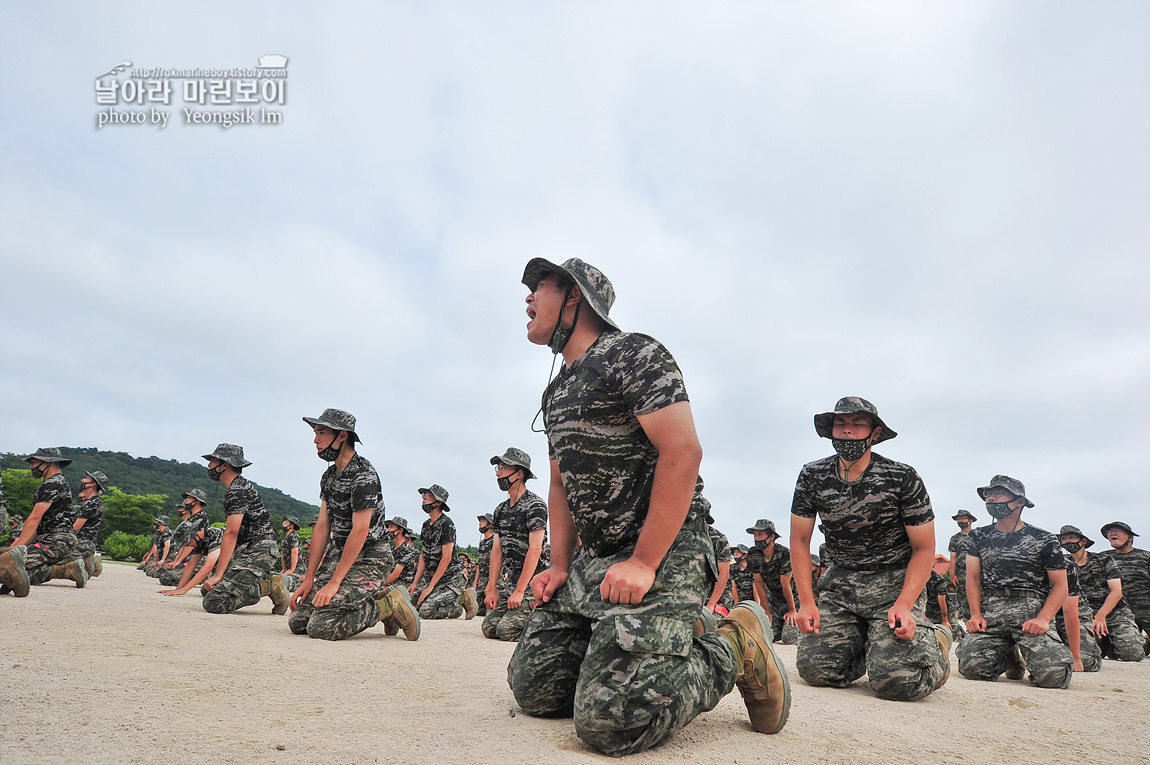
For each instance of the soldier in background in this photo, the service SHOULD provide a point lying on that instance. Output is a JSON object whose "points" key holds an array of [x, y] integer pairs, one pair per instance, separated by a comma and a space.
{"points": [[188, 534], [1134, 568], [611, 642], [483, 562], [937, 608], [879, 526], [1073, 624], [1015, 584], [47, 545], [443, 590], [345, 595], [245, 571], [201, 562], [162, 546], [1113, 625], [723, 556], [404, 552], [150, 555], [517, 553], [742, 575], [957, 549], [289, 552], [773, 572], [87, 523]]}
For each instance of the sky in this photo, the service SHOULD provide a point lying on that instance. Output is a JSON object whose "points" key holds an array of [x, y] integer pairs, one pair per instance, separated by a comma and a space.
{"points": [[941, 207]]}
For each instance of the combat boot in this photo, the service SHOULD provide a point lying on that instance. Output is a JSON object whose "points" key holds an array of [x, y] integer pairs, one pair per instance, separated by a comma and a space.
{"points": [[74, 571], [944, 641], [469, 603], [762, 677], [90, 565], [397, 613], [99, 564], [12, 571], [274, 589], [705, 623], [1015, 665]]}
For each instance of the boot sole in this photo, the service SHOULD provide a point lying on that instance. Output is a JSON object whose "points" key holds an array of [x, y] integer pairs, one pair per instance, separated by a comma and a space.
{"points": [[414, 612], [748, 687]]}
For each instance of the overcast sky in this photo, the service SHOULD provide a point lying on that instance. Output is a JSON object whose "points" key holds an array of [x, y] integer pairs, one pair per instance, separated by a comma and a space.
{"points": [[941, 207]]}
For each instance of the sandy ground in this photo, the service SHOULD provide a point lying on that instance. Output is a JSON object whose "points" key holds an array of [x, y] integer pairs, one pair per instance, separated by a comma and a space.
{"points": [[115, 673]]}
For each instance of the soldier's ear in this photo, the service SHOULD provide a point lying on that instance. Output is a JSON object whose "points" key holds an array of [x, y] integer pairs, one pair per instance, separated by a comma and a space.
{"points": [[575, 296]]}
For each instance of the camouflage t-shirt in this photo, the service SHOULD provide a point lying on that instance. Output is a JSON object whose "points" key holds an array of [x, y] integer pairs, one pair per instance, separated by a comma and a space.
{"points": [[864, 521], [744, 580], [483, 560], [161, 538], [1093, 576], [957, 550], [356, 487], [213, 536], [92, 510], [434, 537], [60, 514], [606, 461], [241, 498], [1017, 560], [513, 525], [772, 570], [721, 544], [407, 556], [1134, 568], [190, 528], [825, 559], [289, 543], [935, 586]]}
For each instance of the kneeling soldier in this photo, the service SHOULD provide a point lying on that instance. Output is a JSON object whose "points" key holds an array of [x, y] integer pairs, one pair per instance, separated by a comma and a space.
{"points": [[87, 524]]}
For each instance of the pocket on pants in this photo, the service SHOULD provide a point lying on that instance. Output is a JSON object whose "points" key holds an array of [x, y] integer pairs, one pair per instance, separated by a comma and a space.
{"points": [[652, 633]]}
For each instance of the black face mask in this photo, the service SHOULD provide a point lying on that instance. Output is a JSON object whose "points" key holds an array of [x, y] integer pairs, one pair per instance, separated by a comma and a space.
{"points": [[851, 449], [964, 524], [428, 507], [761, 544], [390, 534], [999, 510], [1072, 547], [505, 483], [38, 472], [329, 452], [484, 529], [216, 472]]}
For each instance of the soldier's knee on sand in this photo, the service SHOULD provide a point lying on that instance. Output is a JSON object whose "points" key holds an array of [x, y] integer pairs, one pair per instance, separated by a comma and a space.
{"points": [[533, 700], [490, 626], [599, 728]]}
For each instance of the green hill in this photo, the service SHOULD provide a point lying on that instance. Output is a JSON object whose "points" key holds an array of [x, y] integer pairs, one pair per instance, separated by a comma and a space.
{"points": [[152, 475]]}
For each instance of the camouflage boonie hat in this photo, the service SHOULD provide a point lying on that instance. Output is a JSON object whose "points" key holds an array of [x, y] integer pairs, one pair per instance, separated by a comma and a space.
{"points": [[438, 492], [49, 454], [163, 521], [852, 405], [401, 523], [964, 514], [763, 525], [100, 479], [293, 521], [594, 285], [1118, 525], [1013, 485], [1067, 530], [487, 517], [198, 495], [336, 419], [742, 548], [516, 458], [229, 453]]}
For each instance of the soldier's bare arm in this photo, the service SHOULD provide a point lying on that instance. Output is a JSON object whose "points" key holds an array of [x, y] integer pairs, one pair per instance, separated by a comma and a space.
{"points": [[672, 432], [974, 594], [563, 536], [899, 617], [227, 547], [801, 531], [419, 569], [360, 525], [319, 537], [717, 591], [494, 567], [1100, 627], [1073, 630], [1058, 589], [32, 523], [530, 563]]}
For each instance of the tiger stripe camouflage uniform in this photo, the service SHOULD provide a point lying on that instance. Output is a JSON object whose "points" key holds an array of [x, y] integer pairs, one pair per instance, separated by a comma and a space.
{"points": [[743, 575], [55, 542], [771, 572], [1088, 649], [407, 556], [865, 527], [353, 608], [483, 561], [287, 544], [1015, 585], [443, 601], [722, 548], [1134, 568], [92, 511], [186, 534], [935, 586], [253, 560], [513, 525], [1123, 641], [957, 549], [165, 535], [632, 675]]}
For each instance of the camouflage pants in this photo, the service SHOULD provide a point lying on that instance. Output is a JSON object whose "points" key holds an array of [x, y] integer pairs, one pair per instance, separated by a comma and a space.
{"points": [[1125, 639], [250, 565], [631, 675], [1087, 645], [443, 602], [354, 608], [171, 577], [47, 551], [787, 635], [854, 638], [502, 623], [480, 588], [982, 655], [963, 614]]}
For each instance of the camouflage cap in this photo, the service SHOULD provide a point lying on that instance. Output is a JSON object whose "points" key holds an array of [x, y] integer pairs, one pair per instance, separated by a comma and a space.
{"points": [[336, 419], [438, 492], [1013, 485], [594, 285], [100, 479], [1067, 530], [852, 405], [1118, 525], [49, 454], [964, 514], [14, 519], [401, 523], [487, 517], [229, 453], [198, 495], [163, 520], [515, 458], [763, 525], [742, 548], [293, 521]]}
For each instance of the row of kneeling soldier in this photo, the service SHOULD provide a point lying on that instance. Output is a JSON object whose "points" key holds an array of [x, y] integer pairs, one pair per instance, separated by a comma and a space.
{"points": [[637, 615]]}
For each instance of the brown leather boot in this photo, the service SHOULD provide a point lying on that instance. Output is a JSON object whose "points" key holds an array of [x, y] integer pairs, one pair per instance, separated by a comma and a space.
{"points": [[75, 570], [12, 571], [274, 588], [397, 613], [762, 677]]}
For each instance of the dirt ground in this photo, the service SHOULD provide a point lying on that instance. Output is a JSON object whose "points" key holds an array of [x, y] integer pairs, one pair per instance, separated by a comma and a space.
{"points": [[115, 673]]}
